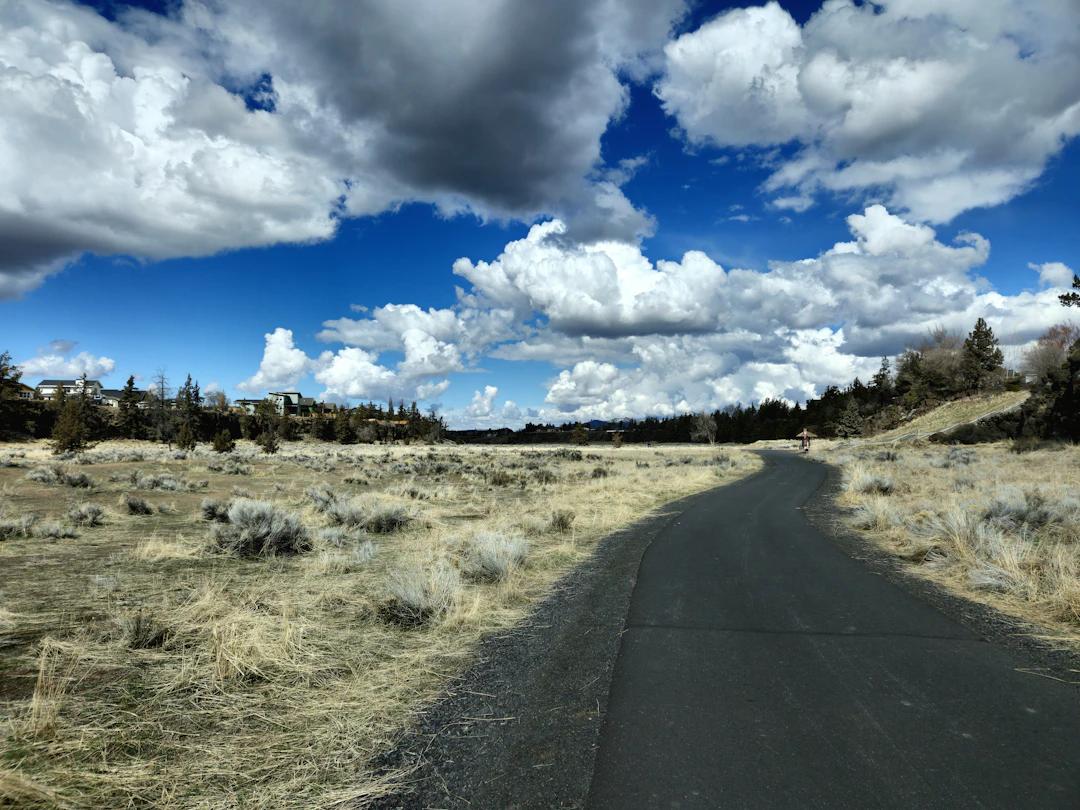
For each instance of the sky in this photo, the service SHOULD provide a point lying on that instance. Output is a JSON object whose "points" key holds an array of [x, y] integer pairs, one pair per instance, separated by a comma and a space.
{"points": [[521, 211]]}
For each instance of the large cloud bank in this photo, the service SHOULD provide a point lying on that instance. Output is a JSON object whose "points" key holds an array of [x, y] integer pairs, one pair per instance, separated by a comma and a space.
{"points": [[939, 107], [629, 336], [242, 123]]}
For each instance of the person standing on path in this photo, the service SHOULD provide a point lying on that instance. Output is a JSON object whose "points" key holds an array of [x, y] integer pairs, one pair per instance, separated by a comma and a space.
{"points": [[804, 438]]}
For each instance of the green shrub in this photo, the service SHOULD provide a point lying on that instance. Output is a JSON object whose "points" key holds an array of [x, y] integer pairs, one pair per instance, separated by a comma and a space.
{"points": [[223, 442]]}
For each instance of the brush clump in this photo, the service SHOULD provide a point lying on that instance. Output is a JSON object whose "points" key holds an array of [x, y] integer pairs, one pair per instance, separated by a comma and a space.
{"points": [[491, 556], [258, 528]]}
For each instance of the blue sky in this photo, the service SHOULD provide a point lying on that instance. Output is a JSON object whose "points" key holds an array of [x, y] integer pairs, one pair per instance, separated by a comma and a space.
{"points": [[132, 291]]}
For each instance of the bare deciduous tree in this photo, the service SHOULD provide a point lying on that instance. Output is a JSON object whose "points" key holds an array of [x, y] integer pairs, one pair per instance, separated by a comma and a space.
{"points": [[1050, 351], [704, 428]]}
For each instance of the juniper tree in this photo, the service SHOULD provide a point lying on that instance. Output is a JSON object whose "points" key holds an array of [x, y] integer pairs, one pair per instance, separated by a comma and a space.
{"points": [[982, 361], [224, 442], [10, 374], [189, 410], [579, 435], [131, 422], [268, 441], [343, 430], [75, 425]]}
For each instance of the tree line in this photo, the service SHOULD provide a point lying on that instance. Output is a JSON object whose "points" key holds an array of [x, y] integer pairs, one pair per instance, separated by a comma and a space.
{"points": [[186, 417]]}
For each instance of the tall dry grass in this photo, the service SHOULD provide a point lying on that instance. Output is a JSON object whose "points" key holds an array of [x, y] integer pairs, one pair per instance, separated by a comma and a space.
{"points": [[151, 666], [993, 525]]}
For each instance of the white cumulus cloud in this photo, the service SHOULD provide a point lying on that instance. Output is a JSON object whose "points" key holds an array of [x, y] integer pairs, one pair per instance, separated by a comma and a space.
{"points": [[940, 107], [282, 365], [1053, 274], [61, 363]]}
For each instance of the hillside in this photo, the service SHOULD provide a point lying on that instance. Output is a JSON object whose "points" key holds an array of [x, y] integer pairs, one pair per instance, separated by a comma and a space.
{"points": [[953, 414]]}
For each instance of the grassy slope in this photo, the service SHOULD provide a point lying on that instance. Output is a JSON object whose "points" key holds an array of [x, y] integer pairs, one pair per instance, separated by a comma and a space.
{"points": [[953, 414]]}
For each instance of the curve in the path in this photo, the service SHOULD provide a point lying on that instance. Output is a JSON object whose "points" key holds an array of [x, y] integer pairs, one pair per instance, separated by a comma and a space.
{"points": [[761, 666]]}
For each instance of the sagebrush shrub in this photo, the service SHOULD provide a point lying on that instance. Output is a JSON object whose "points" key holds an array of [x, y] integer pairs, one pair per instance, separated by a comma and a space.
{"points": [[136, 505], [322, 497], [229, 466], [545, 476], [214, 511], [54, 531], [86, 514], [387, 519], [17, 527], [371, 517], [259, 528], [491, 556], [334, 536], [59, 476]]}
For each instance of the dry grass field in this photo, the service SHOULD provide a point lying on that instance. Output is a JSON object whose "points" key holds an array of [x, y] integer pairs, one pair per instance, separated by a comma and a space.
{"points": [[206, 632], [990, 524]]}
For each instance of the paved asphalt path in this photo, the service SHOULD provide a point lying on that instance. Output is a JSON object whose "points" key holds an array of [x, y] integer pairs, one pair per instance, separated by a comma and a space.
{"points": [[763, 667]]}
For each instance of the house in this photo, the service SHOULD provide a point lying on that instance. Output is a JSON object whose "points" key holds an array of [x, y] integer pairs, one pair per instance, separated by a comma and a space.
{"points": [[110, 398], [46, 389], [292, 403], [248, 406], [23, 391]]}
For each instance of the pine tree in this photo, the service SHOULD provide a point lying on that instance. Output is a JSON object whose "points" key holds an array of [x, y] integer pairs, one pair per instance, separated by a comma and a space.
{"points": [[10, 375], [982, 361], [882, 383], [850, 421], [130, 419], [1071, 299]]}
